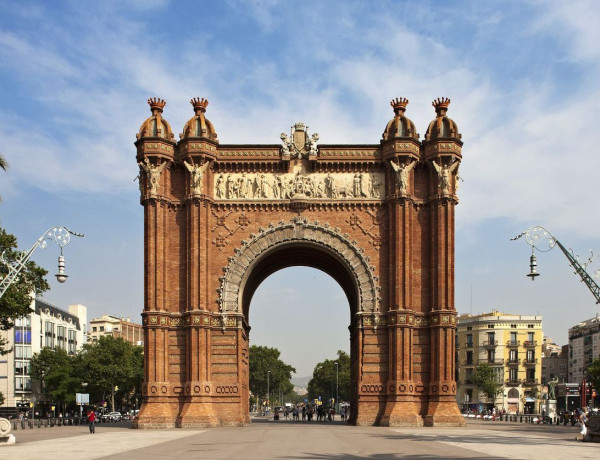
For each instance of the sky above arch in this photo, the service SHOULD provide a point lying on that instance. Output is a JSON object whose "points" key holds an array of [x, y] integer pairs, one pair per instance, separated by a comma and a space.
{"points": [[522, 77]]}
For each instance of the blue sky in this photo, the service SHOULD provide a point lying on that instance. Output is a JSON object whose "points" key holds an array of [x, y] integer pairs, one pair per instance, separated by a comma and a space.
{"points": [[522, 76]]}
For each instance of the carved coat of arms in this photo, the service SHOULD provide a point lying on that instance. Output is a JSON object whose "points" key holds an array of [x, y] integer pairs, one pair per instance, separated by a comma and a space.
{"points": [[299, 144]]}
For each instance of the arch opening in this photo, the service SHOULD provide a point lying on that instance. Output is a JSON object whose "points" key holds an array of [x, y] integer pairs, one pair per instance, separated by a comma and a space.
{"points": [[297, 254]]}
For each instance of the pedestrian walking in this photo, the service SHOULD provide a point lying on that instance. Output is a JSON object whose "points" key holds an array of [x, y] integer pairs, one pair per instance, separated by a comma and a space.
{"points": [[303, 413], [583, 421], [91, 416]]}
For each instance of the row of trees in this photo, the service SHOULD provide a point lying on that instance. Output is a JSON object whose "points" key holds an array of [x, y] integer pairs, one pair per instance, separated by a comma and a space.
{"points": [[110, 369], [269, 373]]}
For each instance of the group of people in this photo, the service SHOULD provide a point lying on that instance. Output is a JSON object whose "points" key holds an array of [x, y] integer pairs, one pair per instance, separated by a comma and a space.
{"points": [[308, 413]]}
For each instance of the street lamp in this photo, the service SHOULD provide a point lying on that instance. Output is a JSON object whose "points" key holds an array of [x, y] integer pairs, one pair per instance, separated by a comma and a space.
{"points": [[542, 240], [268, 395], [60, 235], [337, 385]]}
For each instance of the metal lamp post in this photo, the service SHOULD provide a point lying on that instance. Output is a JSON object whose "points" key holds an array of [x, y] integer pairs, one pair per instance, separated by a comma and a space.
{"points": [[268, 395], [542, 240], [60, 235], [337, 386]]}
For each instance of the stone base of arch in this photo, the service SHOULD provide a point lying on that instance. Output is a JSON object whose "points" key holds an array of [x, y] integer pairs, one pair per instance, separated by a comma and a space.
{"points": [[443, 413], [402, 412]]}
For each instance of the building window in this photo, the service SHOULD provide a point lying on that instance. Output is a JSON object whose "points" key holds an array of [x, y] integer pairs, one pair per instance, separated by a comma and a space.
{"points": [[530, 336], [72, 341], [530, 356], [513, 326], [491, 356], [513, 338], [101, 328], [23, 330], [61, 337], [470, 357], [468, 376], [513, 357], [22, 352], [530, 374], [512, 374], [49, 335], [469, 340], [93, 328], [490, 326]]}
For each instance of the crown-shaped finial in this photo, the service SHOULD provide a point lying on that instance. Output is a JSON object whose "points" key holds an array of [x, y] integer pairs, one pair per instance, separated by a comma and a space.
{"points": [[156, 104], [399, 104], [199, 104], [441, 105]]}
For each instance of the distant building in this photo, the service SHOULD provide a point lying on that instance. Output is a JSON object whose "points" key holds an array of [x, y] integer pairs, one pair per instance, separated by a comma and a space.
{"points": [[46, 326], [116, 327], [555, 364], [512, 345], [584, 347]]}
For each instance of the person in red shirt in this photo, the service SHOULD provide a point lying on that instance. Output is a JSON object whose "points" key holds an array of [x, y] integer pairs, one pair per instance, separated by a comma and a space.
{"points": [[91, 416]]}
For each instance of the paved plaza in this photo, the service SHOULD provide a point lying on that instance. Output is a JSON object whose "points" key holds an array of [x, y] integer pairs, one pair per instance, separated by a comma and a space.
{"points": [[266, 439]]}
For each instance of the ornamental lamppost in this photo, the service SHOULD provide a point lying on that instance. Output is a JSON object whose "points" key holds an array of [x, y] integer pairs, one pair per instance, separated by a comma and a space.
{"points": [[542, 240], [60, 235]]}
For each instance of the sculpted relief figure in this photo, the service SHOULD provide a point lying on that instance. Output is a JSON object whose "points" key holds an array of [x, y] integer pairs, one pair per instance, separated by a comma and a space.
{"points": [[286, 144], [403, 174], [220, 186], [152, 174], [445, 175], [197, 173]]}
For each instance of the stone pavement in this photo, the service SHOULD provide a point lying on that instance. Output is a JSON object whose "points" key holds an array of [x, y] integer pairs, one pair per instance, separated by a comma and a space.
{"points": [[266, 439]]}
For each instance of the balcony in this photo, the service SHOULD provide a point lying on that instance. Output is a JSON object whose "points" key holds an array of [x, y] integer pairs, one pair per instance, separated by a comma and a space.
{"points": [[530, 382], [529, 362], [490, 344], [512, 362], [469, 345], [513, 382], [495, 362], [513, 343], [530, 343]]}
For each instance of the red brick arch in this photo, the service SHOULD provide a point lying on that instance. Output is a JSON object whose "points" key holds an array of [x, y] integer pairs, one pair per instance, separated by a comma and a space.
{"points": [[219, 219]]}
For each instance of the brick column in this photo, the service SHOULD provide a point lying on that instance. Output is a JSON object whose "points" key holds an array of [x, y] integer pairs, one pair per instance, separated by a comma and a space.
{"points": [[401, 408]]}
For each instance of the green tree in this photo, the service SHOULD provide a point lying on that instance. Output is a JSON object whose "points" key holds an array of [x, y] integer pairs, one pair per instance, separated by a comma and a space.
{"points": [[17, 299], [265, 359], [486, 380], [324, 379], [594, 374], [108, 367], [59, 374]]}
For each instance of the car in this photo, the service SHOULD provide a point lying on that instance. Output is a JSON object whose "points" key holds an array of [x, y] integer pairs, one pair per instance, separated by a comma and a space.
{"points": [[115, 417]]}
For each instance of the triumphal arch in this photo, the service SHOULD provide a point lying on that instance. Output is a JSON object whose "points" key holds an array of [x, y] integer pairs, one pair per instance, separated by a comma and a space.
{"points": [[220, 218]]}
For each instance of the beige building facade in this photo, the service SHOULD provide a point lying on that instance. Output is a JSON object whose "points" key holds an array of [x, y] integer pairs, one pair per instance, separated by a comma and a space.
{"points": [[117, 327], [512, 345]]}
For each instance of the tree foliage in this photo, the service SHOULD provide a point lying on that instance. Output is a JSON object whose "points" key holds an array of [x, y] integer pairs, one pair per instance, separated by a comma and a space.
{"points": [[111, 368], [59, 372], [17, 299], [486, 380], [265, 359], [324, 380]]}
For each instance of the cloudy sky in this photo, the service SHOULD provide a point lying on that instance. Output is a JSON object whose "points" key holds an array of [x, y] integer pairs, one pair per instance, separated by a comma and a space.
{"points": [[522, 76]]}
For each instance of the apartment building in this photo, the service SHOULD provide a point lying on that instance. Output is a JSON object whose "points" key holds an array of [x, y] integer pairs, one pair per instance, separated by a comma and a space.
{"points": [[512, 345]]}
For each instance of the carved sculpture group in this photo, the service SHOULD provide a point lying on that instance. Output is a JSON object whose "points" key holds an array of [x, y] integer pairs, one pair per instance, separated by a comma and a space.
{"points": [[242, 186]]}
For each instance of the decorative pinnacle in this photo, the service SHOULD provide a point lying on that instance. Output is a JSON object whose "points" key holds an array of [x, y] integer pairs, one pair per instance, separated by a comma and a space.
{"points": [[441, 106], [199, 104], [399, 104], [156, 105]]}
